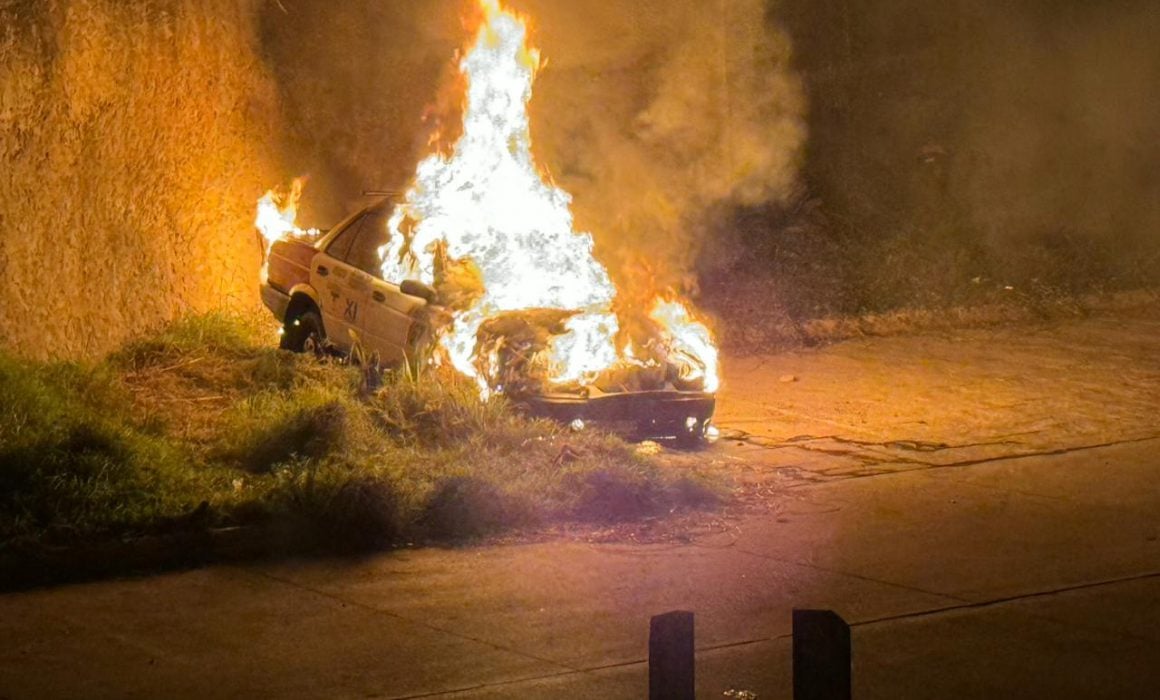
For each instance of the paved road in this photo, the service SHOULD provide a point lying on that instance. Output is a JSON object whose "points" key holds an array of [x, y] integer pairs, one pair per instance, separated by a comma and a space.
{"points": [[983, 507]]}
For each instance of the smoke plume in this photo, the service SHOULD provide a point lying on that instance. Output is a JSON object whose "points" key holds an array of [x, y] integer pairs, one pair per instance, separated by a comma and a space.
{"points": [[649, 112], [653, 113]]}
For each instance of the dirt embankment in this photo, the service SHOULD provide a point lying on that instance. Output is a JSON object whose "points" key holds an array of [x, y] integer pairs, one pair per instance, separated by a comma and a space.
{"points": [[134, 140]]}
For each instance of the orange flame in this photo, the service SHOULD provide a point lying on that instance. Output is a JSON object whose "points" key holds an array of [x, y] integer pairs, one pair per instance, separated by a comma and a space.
{"points": [[485, 202], [277, 218], [488, 202], [278, 212]]}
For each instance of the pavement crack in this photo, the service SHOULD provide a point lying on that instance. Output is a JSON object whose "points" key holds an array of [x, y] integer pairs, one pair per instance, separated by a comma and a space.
{"points": [[1046, 453], [840, 474], [804, 442], [993, 602], [404, 618], [839, 572], [738, 644], [535, 679], [482, 686]]}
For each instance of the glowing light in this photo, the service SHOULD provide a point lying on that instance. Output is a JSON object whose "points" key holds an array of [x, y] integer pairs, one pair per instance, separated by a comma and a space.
{"points": [[483, 221], [277, 217], [487, 202], [690, 343], [278, 213]]}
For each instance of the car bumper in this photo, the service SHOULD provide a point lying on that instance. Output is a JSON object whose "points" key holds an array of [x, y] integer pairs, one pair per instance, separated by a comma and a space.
{"points": [[642, 414]]}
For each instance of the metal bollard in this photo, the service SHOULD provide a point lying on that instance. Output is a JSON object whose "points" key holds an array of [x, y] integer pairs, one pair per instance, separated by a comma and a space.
{"points": [[821, 656], [670, 656]]}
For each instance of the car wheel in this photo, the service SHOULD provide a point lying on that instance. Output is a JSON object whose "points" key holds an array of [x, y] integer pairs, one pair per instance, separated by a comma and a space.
{"points": [[693, 436], [304, 334]]}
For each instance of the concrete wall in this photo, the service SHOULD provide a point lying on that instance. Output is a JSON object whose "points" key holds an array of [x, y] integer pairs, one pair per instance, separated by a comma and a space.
{"points": [[135, 136]]}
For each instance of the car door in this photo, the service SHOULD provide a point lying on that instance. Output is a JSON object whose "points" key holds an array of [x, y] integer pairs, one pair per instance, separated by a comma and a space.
{"points": [[342, 289], [387, 320]]}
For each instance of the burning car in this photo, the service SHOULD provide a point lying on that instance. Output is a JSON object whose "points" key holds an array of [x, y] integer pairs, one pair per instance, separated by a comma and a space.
{"points": [[479, 263], [329, 292]]}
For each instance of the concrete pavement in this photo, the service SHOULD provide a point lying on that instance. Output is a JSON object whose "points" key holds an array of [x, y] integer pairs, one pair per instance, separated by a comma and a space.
{"points": [[984, 508]]}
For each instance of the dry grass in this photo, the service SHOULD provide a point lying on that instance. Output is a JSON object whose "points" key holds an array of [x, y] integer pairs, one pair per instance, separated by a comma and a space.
{"points": [[204, 424], [134, 139]]}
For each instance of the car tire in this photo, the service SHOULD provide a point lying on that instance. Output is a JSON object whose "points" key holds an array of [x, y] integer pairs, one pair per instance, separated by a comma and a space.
{"points": [[693, 439], [304, 333]]}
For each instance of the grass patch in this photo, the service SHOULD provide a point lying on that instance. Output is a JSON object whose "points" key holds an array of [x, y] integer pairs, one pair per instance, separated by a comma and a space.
{"points": [[205, 424]]}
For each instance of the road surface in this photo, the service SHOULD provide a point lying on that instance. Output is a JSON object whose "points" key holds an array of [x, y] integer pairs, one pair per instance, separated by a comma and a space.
{"points": [[983, 507]]}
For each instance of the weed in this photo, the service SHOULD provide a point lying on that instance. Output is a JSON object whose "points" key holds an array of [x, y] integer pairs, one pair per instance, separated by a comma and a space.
{"points": [[199, 424], [464, 506], [311, 432]]}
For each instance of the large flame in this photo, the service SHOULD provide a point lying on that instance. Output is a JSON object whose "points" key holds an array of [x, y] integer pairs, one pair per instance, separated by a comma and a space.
{"points": [[485, 212], [277, 218], [487, 202], [278, 214]]}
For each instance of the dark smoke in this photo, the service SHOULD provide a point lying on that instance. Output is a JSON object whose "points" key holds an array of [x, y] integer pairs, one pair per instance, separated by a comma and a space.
{"points": [[1064, 131], [356, 79], [1012, 142]]}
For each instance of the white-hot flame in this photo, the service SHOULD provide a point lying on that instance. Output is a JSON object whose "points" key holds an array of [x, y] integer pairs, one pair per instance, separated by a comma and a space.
{"points": [[278, 214], [277, 218], [689, 338], [486, 202]]}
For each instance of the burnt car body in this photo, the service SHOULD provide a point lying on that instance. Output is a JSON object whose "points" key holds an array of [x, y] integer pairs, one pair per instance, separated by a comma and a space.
{"points": [[667, 413], [330, 296]]}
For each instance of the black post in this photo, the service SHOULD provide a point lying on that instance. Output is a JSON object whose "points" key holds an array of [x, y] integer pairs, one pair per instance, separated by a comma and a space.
{"points": [[821, 656], [670, 656]]}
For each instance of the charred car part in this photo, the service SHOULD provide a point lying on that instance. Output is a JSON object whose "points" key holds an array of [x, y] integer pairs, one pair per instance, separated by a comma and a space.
{"points": [[684, 416]]}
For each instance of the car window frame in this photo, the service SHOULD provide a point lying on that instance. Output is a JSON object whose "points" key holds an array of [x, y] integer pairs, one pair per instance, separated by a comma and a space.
{"points": [[350, 233], [374, 218]]}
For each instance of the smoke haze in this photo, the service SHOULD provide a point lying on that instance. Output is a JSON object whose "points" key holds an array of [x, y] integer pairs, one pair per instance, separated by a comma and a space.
{"points": [[649, 113], [1020, 136]]}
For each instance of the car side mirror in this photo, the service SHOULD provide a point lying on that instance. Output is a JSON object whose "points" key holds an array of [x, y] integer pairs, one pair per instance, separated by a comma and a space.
{"points": [[415, 288]]}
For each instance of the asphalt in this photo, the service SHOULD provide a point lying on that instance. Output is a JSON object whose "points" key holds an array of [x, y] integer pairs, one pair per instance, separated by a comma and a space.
{"points": [[983, 508]]}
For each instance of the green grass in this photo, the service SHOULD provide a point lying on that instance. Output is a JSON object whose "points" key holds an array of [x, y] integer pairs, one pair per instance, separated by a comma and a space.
{"points": [[206, 424]]}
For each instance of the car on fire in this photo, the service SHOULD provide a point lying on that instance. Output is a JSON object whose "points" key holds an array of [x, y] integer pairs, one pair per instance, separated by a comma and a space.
{"points": [[330, 295]]}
